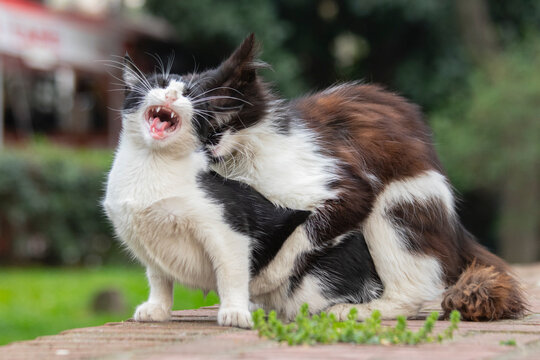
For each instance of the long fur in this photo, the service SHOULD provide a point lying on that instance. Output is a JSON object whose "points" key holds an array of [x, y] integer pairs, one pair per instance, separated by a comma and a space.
{"points": [[363, 159]]}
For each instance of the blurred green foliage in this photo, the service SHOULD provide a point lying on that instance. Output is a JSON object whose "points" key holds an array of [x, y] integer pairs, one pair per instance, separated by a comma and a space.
{"points": [[36, 302], [470, 65], [49, 205], [490, 138], [494, 127], [414, 47]]}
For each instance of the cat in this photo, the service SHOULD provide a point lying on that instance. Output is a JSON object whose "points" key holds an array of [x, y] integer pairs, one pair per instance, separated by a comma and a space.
{"points": [[188, 224], [361, 159]]}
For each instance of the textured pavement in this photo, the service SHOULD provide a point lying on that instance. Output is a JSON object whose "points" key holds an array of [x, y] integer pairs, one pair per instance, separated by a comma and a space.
{"points": [[194, 334]]}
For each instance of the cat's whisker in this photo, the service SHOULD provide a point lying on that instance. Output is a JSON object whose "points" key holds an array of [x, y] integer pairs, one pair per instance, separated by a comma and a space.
{"points": [[114, 109], [144, 83], [200, 82], [219, 97], [159, 64], [217, 88], [195, 68], [170, 62], [133, 69], [208, 121]]}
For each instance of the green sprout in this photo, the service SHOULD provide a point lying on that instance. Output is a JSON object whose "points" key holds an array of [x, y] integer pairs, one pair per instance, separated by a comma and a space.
{"points": [[323, 328], [509, 342]]}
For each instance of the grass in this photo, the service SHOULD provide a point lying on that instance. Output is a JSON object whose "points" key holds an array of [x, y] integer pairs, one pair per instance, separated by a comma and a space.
{"points": [[325, 329], [40, 149], [38, 301]]}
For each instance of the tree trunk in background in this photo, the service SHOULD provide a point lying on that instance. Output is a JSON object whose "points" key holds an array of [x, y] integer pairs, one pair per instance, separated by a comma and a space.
{"points": [[519, 224], [518, 228], [477, 30]]}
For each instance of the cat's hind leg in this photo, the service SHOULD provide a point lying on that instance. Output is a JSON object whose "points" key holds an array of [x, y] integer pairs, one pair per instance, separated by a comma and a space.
{"points": [[159, 303], [408, 225]]}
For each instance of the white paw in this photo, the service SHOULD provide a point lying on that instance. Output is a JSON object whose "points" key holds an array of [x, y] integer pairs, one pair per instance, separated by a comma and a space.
{"points": [[238, 317], [152, 312]]}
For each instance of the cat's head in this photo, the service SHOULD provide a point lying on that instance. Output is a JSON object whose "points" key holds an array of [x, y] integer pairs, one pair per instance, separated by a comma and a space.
{"points": [[156, 113], [169, 111], [230, 98]]}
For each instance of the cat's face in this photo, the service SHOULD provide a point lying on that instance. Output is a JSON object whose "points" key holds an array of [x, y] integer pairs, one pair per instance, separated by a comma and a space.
{"points": [[157, 113], [165, 111], [237, 99]]}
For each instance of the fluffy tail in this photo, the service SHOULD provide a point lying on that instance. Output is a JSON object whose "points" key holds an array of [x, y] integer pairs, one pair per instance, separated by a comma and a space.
{"points": [[486, 289]]}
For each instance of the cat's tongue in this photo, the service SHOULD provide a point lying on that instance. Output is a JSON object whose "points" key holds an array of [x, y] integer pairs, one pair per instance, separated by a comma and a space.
{"points": [[158, 127]]}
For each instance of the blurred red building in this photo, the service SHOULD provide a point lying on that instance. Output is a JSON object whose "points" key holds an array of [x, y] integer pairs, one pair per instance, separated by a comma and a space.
{"points": [[54, 80]]}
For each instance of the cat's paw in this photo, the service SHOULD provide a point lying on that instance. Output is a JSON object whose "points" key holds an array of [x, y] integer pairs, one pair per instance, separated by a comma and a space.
{"points": [[238, 317], [152, 312]]}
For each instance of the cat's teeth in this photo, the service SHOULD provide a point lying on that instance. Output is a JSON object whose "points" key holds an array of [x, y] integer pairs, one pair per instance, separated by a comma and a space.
{"points": [[159, 108], [172, 115]]}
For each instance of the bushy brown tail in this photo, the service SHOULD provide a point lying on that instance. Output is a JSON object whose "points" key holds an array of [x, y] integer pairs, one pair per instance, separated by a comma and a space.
{"points": [[485, 290]]}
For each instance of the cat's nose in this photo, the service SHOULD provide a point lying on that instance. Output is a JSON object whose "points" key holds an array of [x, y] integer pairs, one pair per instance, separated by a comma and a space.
{"points": [[171, 95]]}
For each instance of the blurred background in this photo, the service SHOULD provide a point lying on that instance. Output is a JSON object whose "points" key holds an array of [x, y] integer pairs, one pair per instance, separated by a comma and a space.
{"points": [[473, 66]]}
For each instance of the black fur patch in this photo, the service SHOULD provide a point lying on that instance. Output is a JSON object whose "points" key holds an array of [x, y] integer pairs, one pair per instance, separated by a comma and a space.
{"points": [[231, 96], [251, 214], [345, 270], [132, 100]]}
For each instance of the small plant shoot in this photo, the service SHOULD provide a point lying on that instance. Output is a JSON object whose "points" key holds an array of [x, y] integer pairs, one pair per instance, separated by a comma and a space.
{"points": [[509, 342], [325, 329]]}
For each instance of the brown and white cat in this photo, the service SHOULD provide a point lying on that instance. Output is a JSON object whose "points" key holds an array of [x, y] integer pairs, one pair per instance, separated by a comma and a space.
{"points": [[362, 159]]}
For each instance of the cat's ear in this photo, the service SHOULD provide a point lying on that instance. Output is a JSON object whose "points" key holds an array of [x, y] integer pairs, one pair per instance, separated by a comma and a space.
{"points": [[235, 82], [131, 74], [241, 67]]}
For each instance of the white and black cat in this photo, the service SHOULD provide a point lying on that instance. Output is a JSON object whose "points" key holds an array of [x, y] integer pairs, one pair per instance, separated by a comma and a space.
{"points": [[361, 158], [188, 224]]}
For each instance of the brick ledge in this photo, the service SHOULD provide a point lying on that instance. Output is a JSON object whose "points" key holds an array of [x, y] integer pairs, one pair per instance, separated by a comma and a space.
{"points": [[194, 334]]}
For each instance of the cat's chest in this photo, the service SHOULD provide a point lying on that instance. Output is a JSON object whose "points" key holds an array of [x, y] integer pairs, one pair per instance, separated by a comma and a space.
{"points": [[152, 206], [289, 170], [136, 184], [144, 179]]}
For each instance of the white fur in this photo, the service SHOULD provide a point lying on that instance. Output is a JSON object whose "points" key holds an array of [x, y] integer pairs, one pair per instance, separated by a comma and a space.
{"points": [[164, 218], [158, 306], [280, 268], [409, 279], [289, 169], [309, 291]]}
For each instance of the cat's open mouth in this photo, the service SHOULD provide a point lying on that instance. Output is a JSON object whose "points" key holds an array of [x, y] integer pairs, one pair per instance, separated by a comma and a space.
{"points": [[162, 121]]}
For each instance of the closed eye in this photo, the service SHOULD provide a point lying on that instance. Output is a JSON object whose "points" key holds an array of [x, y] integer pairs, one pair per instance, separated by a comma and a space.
{"points": [[214, 138]]}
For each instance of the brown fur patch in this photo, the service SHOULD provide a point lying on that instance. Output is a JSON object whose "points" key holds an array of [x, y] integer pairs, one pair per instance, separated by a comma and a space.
{"points": [[371, 132], [428, 228], [385, 132], [485, 293]]}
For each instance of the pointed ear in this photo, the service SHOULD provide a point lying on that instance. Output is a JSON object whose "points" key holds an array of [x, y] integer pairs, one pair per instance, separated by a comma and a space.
{"points": [[131, 73], [241, 67]]}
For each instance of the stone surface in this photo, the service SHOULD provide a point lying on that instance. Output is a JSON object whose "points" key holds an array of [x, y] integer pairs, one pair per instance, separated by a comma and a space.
{"points": [[194, 334]]}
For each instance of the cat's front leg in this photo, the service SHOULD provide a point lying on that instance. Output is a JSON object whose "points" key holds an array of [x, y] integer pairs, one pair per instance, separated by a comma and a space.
{"points": [[230, 254], [159, 303]]}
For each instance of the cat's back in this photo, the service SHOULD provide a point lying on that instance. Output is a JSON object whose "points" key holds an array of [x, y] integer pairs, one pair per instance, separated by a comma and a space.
{"points": [[354, 105], [387, 130]]}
